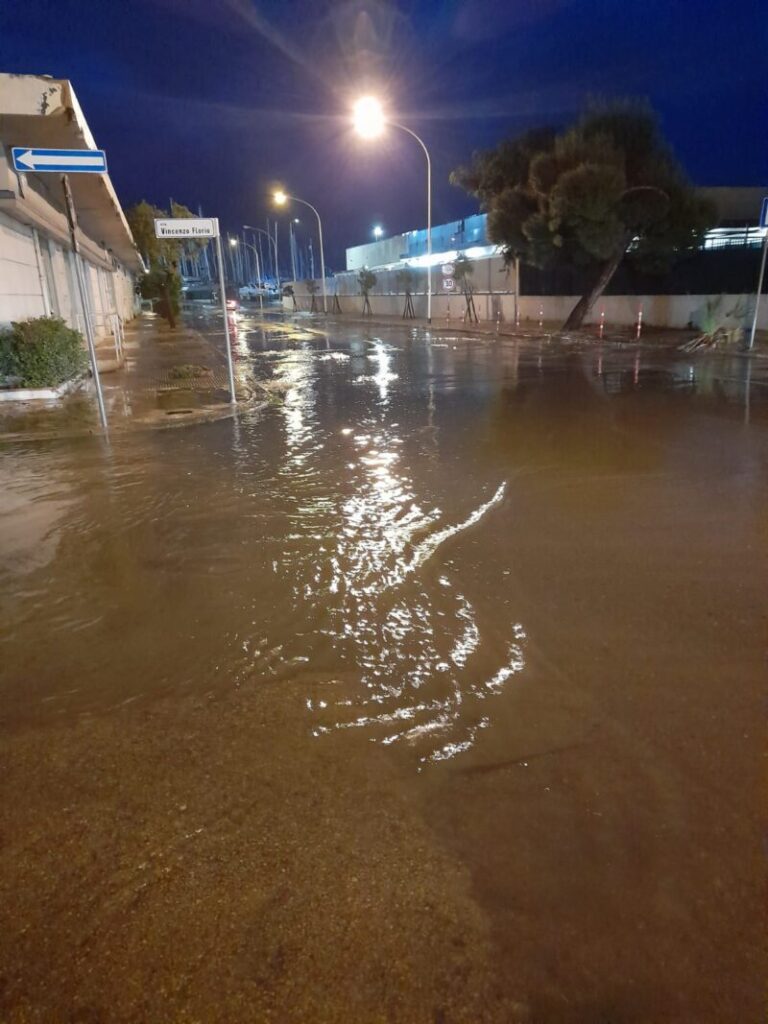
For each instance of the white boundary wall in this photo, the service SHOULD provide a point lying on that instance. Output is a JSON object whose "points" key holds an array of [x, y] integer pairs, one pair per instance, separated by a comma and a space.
{"points": [[676, 311]]}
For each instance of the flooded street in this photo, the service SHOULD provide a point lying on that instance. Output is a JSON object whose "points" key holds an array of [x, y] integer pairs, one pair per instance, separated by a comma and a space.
{"points": [[432, 692]]}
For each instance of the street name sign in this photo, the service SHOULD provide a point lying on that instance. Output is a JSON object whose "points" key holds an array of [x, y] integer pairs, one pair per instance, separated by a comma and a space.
{"points": [[187, 227], [764, 213], [59, 161]]}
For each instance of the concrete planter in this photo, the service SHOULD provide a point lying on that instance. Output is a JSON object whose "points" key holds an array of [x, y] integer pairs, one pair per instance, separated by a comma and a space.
{"points": [[9, 393]]}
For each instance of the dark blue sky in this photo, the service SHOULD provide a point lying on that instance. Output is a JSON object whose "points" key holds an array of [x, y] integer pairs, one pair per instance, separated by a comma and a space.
{"points": [[209, 101]]}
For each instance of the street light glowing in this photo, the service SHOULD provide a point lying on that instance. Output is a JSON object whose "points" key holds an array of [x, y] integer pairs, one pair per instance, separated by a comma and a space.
{"points": [[368, 117], [233, 241], [280, 198], [378, 231]]}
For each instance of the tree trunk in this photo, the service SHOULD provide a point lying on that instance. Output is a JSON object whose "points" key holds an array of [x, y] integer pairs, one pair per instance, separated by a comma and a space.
{"points": [[587, 301]]}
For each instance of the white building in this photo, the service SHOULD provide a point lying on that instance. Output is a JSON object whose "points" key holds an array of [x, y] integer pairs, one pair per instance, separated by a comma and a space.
{"points": [[36, 261]]}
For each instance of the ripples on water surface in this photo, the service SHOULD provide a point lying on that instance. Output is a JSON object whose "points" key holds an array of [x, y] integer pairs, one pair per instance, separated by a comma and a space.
{"points": [[355, 535]]}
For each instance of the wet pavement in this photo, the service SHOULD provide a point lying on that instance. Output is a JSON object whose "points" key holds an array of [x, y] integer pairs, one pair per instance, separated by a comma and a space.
{"points": [[429, 692]]}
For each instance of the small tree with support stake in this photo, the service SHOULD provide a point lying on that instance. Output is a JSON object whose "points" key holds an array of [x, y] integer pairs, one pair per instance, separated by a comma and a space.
{"points": [[288, 292], [366, 279], [312, 292], [462, 272], [404, 280]]}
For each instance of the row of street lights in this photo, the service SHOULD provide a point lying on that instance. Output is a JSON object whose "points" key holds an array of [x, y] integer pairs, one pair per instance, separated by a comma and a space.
{"points": [[369, 121]]}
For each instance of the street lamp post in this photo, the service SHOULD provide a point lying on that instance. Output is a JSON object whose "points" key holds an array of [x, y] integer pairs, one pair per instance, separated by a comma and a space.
{"points": [[370, 122], [255, 252], [281, 198], [292, 243], [270, 240]]}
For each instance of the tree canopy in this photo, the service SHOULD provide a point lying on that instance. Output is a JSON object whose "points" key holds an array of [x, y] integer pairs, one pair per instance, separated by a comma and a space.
{"points": [[606, 186], [463, 269], [141, 220], [367, 280], [404, 280], [161, 255]]}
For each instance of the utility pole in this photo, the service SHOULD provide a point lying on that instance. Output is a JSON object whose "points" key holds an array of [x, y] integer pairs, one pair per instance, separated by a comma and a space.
{"points": [[83, 290], [759, 292], [292, 241], [277, 264]]}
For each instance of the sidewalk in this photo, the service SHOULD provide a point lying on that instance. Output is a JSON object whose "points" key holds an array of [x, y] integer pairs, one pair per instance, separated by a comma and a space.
{"points": [[169, 378], [650, 336], [526, 330]]}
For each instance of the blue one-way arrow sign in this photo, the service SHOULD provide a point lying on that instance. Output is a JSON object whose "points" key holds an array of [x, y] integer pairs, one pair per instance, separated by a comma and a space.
{"points": [[62, 161]]}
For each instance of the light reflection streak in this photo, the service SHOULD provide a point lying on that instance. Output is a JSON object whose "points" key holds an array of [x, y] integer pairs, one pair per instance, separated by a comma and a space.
{"points": [[414, 639]]}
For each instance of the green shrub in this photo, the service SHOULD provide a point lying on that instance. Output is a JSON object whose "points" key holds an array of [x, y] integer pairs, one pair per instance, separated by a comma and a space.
{"points": [[43, 351], [7, 359]]}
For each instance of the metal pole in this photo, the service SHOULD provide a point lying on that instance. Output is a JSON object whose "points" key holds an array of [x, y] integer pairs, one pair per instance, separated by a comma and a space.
{"points": [[81, 287], [759, 291], [517, 290], [304, 202], [255, 252], [223, 290], [322, 262], [292, 240], [258, 278], [277, 265], [429, 237], [429, 215]]}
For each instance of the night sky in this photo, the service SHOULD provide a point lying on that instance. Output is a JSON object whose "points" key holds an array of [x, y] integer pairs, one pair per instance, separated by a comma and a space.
{"points": [[211, 101]]}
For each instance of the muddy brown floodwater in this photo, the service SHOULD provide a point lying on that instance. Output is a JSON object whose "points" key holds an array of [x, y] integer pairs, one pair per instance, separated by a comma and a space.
{"points": [[431, 695]]}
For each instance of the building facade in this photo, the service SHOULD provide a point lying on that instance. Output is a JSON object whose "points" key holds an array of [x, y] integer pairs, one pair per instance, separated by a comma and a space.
{"points": [[37, 270], [738, 210], [721, 277]]}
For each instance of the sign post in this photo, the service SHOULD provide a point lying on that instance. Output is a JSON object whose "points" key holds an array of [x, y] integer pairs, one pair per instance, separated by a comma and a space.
{"points": [[65, 162], [449, 283], [764, 226], [203, 227], [90, 336]]}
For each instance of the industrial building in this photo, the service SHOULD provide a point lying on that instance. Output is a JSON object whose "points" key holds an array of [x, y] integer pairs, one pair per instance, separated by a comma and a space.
{"points": [[738, 208], [722, 274], [37, 274]]}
